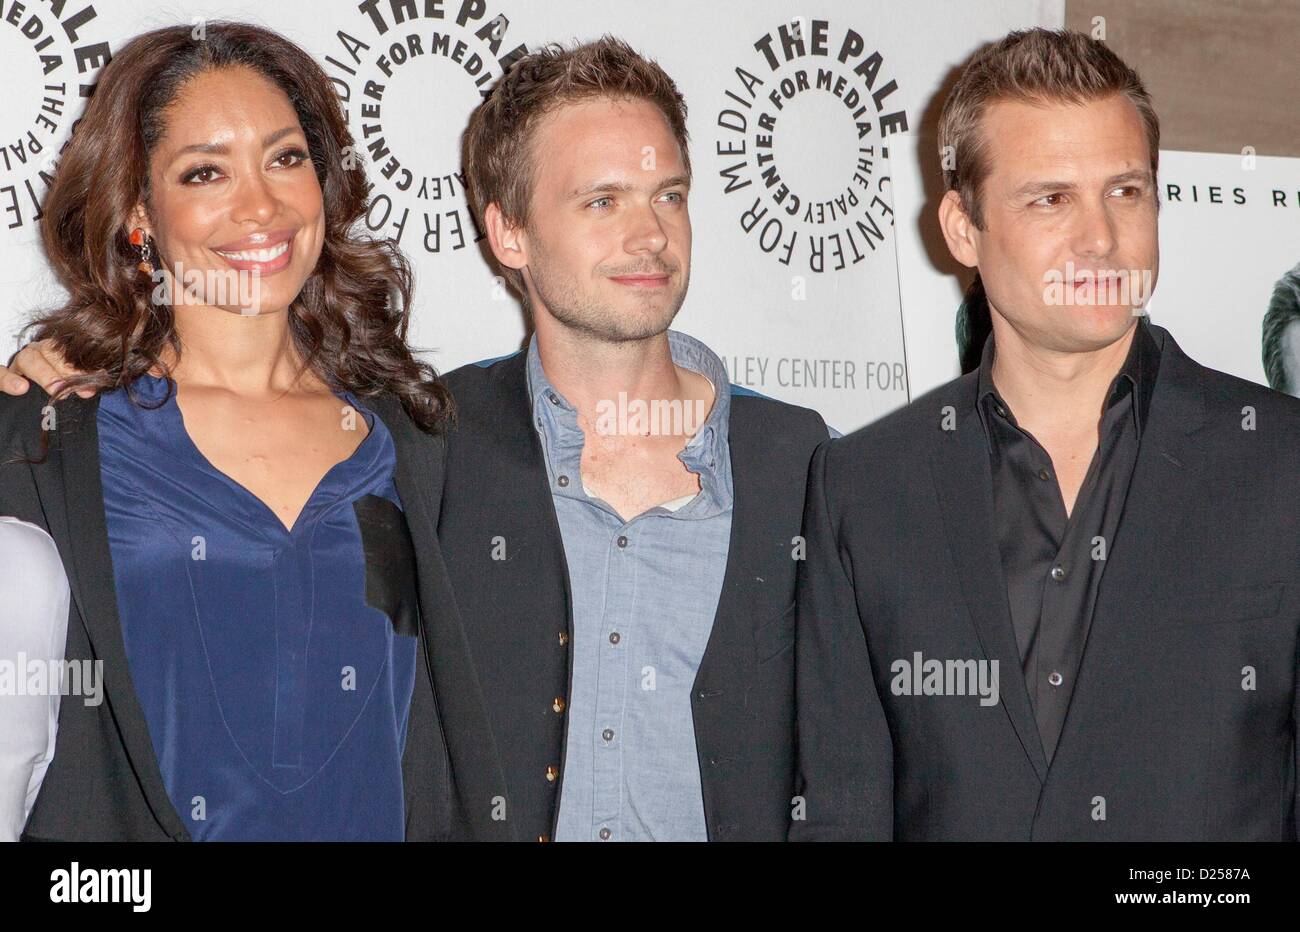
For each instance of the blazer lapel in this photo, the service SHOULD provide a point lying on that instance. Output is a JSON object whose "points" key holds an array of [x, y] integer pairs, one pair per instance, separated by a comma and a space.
{"points": [[418, 480], [740, 602], [963, 480], [522, 455], [1165, 487], [73, 495], [523, 461]]}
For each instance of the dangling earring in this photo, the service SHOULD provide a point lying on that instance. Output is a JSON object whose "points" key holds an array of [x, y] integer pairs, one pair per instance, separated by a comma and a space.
{"points": [[144, 245]]}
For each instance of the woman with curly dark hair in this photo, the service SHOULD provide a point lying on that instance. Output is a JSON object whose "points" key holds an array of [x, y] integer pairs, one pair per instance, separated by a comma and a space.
{"points": [[236, 510]]}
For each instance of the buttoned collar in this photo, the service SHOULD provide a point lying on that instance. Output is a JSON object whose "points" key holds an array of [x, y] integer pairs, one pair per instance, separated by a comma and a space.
{"points": [[1137, 375], [707, 453]]}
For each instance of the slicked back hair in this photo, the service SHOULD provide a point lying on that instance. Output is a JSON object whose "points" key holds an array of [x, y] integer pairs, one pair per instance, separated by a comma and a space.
{"points": [[1033, 66]]}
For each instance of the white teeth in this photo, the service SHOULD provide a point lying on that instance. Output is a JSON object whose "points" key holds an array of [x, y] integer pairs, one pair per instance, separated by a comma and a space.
{"points": [[258, 255]]}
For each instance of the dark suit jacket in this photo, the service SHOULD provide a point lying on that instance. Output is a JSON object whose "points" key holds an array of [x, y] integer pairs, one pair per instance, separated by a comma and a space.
{"points": [[1183, 718], [518, 612], [104, 783]]}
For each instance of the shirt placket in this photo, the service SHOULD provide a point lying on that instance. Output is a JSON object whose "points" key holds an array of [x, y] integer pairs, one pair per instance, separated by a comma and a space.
{"points": [[1047, 671], [614, 679], [1062, 624], [1052, 678], [1080, 569]]}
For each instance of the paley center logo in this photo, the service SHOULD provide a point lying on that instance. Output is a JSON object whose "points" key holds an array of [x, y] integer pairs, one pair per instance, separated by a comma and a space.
{"points": [[52, 53], [800, 142], [409, 75]]}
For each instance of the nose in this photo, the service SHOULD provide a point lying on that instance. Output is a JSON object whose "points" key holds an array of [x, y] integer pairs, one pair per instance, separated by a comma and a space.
{"points": [[254, 200], [645, 232], [1094, 234]]}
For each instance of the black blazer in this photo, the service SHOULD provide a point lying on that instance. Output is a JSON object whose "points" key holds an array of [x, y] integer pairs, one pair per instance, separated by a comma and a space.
{"points": [[1200, 596], [518, 611], [104, 783]]}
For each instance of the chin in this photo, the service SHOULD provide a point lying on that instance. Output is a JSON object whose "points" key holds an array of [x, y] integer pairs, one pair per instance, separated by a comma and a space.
{"points": [[1099, 327], [643, 329], [656, 308], [262, 309]]}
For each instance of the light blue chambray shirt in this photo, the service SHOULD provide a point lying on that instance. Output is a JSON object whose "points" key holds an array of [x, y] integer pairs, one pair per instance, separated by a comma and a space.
{"points": [[645, 593]]}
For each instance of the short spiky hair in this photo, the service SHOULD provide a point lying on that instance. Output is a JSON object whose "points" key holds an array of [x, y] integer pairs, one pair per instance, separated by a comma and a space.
{"points": [[499, 161], [1032, 65]]}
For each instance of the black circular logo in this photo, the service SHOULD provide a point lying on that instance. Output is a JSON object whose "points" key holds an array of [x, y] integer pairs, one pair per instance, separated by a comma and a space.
{"points": [[800, 143], [408, 84]]}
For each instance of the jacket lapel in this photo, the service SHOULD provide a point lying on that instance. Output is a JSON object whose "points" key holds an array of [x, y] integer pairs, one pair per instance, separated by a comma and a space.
{"points": [[518, 465], [1165, 487], [524, 461], [418, 480], [72, 495], [741, 603], [523, 452], [963, 480]]}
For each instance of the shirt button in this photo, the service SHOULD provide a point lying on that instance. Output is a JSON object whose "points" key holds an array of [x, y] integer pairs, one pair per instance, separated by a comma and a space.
{"points": [[552, 398], [543, 837], [608, 734], [1058, 573], [562, 482], [1002, 412], [1055, 678], [558, 705], [1044, 474], [551, 774], [622, 542], [605, 833], [614, 637], [564, 638]]}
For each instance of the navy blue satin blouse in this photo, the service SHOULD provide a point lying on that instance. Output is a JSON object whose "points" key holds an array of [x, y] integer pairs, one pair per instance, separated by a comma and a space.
{"points": [[275, 668]]}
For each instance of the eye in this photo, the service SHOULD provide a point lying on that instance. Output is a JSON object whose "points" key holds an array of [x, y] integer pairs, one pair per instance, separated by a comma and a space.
{"points": [[1129, 191], [200, 175], [678, 196], [1050, 200], [290, 157], [602, 203]]}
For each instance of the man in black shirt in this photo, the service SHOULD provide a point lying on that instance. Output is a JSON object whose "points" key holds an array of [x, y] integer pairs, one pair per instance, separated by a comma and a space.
{"points": [[1059, 597], [1053, 558]]}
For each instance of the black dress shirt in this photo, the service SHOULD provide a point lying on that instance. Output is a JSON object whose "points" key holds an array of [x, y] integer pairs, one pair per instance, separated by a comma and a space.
{"points": [[1052, 564]]}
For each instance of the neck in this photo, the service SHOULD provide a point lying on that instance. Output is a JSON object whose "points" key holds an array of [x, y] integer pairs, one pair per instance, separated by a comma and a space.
{"points": [[1051, 387], [247, 355], [587, 370]]}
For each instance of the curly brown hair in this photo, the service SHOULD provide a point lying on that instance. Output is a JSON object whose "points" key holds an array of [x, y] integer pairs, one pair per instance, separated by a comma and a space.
{"points": [[348, 323]]}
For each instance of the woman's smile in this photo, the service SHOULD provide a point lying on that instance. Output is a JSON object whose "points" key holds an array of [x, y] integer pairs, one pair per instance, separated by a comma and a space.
{"points": [[263, 253]]}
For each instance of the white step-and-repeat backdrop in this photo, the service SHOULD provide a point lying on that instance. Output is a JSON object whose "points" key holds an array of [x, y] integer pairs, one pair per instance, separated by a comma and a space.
{"points": [[795, 282]]}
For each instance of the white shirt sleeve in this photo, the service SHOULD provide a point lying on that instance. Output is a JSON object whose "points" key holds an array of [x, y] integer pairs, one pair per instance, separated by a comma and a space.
{"points": [[33, 635]]}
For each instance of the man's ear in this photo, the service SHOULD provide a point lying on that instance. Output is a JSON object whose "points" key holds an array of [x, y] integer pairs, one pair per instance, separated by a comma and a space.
{"points": [[958, 231], [508, 242]]}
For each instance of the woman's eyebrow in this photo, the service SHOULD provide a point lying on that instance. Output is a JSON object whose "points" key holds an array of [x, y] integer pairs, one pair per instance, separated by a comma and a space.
{"points": [[220, 148]]}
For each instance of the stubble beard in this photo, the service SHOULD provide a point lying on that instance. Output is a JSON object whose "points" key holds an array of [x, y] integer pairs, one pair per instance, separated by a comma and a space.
{"points": [[584, 313]]}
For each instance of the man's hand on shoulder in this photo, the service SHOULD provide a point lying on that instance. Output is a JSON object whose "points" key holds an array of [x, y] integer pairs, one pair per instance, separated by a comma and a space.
{"points": [[40, 363]]}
